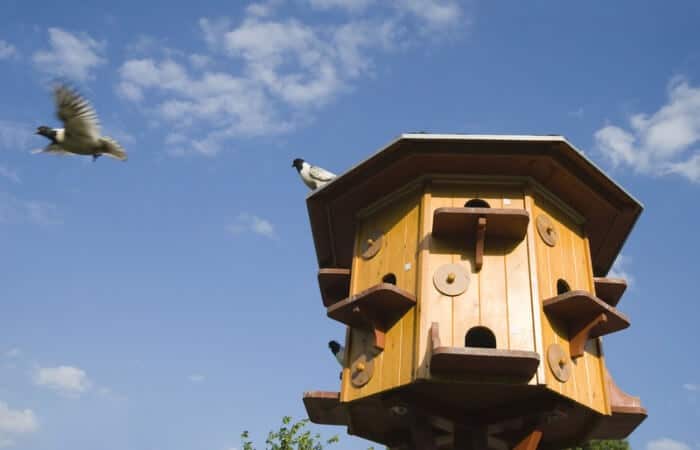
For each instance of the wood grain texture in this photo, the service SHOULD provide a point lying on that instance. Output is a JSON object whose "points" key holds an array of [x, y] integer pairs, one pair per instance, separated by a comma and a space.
{"points": [[398, 223], [568, 260]]}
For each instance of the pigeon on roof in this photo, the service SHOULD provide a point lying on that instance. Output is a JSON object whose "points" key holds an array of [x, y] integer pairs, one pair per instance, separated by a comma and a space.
{"points": [[313, 176]]}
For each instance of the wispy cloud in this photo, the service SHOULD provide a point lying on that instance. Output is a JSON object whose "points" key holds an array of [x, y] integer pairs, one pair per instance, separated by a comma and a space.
{"points": [[14, 210], [6, 172], [432, 13], [196, 378], [435, 13], [250, 223], [287, 69], [7, 50], [72, 55], [663, 143], [667, 444], [577, 113], [620, 269], [691, 387], [14, 422], [349, 5], [13, 352], [67, 380]]}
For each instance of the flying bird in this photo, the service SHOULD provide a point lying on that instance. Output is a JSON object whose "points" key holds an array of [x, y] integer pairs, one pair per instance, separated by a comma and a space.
{"points": [[338, 351], [80, 134], [314, 177]]}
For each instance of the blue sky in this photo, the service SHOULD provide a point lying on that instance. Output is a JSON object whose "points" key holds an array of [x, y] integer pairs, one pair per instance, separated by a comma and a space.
{"points": [[170, 302]]}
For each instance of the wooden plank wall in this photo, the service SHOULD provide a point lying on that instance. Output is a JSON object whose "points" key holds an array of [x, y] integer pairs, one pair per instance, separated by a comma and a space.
{"points": [[568, 260], [394, 366], [499, 296]]}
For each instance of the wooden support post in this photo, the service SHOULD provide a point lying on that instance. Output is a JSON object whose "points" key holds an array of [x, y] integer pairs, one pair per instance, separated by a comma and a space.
{"points": [[480, 238], [379, 335], [579, 335], [379, 339], [531, 441]]}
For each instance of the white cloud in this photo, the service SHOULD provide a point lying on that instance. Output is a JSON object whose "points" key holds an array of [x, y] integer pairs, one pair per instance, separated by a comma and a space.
{"points": [[15, 422], [13, 352], [196, 378], [263, 9], [70, 55], [7, 50], [691, 387], [64, 379], [246, 222], [8, 173], [199, 61], [281, 70], [231, 106], [350, 5], [666, 444], [14, 210], [663, 143], [620, 269], [435, 13]]}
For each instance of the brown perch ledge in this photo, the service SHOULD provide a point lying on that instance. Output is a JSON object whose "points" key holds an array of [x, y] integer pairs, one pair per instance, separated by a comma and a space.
{"points": [[476, 224], [610, 290], [377, 308], [585, 316], [481, 361], [334, 285]]}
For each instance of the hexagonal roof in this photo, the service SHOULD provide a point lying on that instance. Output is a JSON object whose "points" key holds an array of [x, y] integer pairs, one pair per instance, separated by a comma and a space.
{"points": [[610, 212]]}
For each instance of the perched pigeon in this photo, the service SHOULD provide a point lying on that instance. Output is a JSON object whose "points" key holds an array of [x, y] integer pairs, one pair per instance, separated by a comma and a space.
{"points": [[314, 177], [338, 351], [80, 134]]}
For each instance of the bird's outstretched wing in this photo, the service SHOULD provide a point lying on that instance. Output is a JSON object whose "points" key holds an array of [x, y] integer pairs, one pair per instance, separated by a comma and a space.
{"points": [[53, 149], [320, 174], [113, 149], [77, 115]]}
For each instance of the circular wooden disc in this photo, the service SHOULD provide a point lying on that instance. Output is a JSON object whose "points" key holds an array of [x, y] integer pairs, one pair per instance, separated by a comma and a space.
{"points": [[451, 279], [361, 371], [372, 244], [559, 362], [547, 230]]}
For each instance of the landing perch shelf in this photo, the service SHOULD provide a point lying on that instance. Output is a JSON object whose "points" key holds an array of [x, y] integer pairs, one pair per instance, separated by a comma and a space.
{"points": [[334, 285], [325, 408], [610, 290], [483, 362], [377, 308], [476, 224], [585, 316]]}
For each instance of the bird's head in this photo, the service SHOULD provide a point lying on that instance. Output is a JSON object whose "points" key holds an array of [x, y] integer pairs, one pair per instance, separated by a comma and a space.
{"points": [[46, 132], [334, 346], [298, 163]]}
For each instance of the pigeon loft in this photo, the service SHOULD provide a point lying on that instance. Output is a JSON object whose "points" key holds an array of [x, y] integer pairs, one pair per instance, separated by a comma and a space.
{"points": [[470, 274]]}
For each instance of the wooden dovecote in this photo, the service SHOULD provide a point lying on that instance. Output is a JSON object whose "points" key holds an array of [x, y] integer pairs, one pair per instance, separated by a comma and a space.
{"points": [[470, 273]]}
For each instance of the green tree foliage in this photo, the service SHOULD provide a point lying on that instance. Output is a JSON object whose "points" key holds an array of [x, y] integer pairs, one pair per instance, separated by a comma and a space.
{"points": [[604, 445], [290, 436]]}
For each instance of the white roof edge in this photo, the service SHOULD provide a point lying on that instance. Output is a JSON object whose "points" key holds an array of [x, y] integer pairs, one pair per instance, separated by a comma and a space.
{"points": [[485, 137]]}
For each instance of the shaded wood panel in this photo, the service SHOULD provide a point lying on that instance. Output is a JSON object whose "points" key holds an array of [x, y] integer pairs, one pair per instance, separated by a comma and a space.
{"points": [[569, 262], [394, 263]]}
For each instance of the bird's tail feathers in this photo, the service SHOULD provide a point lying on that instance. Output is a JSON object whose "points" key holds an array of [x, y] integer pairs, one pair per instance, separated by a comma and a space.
{"points": [[113, 149]]}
